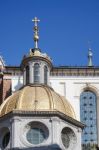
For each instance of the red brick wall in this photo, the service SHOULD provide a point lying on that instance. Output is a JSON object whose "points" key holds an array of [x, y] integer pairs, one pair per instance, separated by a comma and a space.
{"points": [[6, 88]]}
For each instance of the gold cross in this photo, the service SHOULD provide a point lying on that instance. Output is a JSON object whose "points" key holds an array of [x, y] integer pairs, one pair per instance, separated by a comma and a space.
{"points": [[35, 20]]}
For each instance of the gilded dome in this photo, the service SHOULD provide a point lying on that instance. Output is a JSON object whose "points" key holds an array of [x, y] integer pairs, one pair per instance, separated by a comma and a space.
{"points": [[36, 98]]}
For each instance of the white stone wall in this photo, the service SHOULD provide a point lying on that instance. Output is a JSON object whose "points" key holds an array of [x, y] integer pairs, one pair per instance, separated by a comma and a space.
{"points": [[71, 88], [17, 82]]}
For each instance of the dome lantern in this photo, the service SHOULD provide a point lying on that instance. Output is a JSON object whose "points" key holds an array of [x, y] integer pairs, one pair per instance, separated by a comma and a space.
{"points": [[36, 66]]}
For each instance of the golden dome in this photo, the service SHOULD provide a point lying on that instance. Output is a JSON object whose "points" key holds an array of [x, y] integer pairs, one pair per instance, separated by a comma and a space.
{"points": [[37, 98]]}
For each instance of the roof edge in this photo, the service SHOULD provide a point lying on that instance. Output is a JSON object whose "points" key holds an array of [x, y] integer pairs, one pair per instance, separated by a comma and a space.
{"points": [[43, 113]]}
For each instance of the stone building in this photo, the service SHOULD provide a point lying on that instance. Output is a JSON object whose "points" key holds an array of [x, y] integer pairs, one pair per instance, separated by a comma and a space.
{"points": [[42, 106]]}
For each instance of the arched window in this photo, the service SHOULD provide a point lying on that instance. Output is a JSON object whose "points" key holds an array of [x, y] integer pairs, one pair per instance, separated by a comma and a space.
{"points": [[36, 73], [88, 115], [27, 74], [45, 74]]}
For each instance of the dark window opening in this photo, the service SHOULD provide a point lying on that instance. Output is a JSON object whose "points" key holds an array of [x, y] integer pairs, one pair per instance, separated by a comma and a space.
{"points": [[36, 73], [45, 75], [27, 74]]}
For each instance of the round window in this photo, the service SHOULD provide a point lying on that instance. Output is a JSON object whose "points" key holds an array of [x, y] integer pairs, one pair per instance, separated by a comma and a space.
{"points": [[37, 133], [6, 139], [68, 138]]}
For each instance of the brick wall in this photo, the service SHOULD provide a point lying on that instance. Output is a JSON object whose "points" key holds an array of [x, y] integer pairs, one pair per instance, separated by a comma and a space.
{"points": [[5, 87]]}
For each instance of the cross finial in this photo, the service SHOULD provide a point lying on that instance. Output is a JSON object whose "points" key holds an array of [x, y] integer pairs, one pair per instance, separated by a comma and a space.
{"points": [[36, 30], [35, 20]]}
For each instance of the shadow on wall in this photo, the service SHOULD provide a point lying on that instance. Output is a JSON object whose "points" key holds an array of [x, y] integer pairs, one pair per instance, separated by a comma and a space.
{"points": [[8, 92], [52, 147]]}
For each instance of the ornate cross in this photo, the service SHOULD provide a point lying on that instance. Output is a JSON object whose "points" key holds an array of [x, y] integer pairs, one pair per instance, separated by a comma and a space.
{"points": [[36, 30], [35, 20]]}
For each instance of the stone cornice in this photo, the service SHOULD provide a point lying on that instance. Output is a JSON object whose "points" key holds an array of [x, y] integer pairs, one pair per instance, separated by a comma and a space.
{"points": [[43, 114]]}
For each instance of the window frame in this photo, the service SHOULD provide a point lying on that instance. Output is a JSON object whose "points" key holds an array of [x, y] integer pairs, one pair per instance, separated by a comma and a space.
{"points": [[45, 74], [27, 74], [91, 108], [36, 73]]}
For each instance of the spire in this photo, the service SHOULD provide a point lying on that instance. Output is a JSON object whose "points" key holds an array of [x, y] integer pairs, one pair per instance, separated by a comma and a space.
{"points": [[90, 55], [36, 30]]}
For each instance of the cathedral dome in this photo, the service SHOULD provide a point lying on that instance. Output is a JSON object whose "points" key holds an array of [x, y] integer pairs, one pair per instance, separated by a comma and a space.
{"points": [[37, 98]]}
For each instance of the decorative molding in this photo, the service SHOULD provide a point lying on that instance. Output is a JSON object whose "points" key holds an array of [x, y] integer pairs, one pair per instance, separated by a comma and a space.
{"points": [[43, 114]]}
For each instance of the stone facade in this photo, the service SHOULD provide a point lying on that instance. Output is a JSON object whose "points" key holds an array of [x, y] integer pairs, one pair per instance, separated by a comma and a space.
{"points": [[53, 125]]}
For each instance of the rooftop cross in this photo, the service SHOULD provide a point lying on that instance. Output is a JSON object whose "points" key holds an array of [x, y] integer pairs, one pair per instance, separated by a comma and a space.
{"points": [[36, 30], [35, 20]]}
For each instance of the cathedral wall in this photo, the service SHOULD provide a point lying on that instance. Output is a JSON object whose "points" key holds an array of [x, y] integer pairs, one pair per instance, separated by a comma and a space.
{"points": [[71, 88]]}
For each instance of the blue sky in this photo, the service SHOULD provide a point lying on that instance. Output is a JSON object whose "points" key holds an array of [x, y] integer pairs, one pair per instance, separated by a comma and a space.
{"points": [[66, 26]]}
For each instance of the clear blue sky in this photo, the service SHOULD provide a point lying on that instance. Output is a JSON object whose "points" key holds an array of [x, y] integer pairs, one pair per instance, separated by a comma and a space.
{"points": [[66, 26]]}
